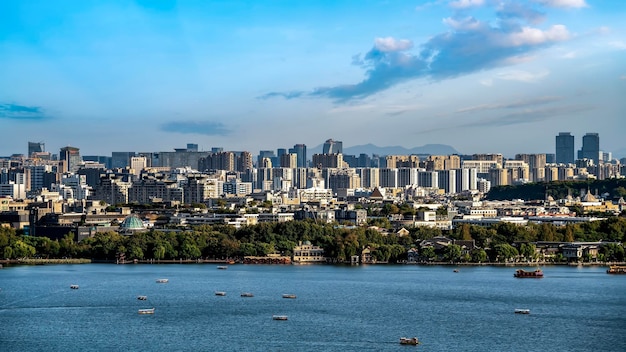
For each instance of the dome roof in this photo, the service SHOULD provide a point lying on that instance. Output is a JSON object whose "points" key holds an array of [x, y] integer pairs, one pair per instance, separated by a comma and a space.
{"points": [[132, 222]]}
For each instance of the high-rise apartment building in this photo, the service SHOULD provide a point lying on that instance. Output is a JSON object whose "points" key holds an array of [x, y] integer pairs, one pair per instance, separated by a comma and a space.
{"points": [[289, 160], [564, 148], [591, 147]]}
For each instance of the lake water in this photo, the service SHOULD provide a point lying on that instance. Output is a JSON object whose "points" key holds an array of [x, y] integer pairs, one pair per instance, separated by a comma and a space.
{"points": [[338, 308]]}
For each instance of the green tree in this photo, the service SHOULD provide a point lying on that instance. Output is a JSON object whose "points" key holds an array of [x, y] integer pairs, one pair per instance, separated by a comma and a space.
{"points": [[428, 253], [452, 253], [528, 251], [479, 255], [504, 252]]}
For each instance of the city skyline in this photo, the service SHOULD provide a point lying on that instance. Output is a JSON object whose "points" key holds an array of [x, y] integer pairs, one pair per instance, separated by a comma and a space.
{"points": [[478, 75]]}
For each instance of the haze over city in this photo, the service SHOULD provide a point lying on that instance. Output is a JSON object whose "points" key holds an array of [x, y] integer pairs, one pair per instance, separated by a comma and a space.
{"points": [[478, 75]]}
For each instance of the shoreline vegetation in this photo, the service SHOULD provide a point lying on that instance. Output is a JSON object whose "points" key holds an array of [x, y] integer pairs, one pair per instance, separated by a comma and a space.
{"points": [[44, 261], [597, 243]]}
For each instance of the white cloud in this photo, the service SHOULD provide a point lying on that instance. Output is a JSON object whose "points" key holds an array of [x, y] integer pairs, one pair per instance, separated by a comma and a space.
{"points": [[463, 4], [535, 36], [464, 24], [390, 44], [563, 3], [619, 45], [523, 76], [488, 82], [570, 55]]}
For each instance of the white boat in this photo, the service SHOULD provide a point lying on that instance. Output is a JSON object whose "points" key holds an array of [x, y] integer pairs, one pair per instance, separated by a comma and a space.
{"points": [[142, 298], [162, 281], [247, 294], [74, 287], [289, 295], [279, 317], [409, 341], [222, 267], [220, 293], [146, 311], [522, 311]]}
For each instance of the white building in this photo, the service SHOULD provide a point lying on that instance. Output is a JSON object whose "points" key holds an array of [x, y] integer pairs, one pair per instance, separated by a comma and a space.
{"points": [[305, 252]]}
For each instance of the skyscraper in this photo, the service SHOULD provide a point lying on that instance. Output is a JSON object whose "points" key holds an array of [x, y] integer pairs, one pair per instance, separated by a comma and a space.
{"points": [[36, 147], [591, 147], [564, 148], [71, 157], [332, 147], [300, 150]]}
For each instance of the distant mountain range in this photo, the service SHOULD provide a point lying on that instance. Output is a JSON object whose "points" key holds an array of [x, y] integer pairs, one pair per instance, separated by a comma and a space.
{"points": [[369, 149]]}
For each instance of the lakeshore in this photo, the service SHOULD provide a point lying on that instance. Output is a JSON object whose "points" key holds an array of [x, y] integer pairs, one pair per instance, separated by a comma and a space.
{"points": [[44, 261]]}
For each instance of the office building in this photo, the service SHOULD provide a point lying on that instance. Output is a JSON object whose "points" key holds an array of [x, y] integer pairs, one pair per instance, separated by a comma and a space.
{"points": [[591, 147], [564, 148], [70, 156], [332, 147], [35, 147], [300, 150]]}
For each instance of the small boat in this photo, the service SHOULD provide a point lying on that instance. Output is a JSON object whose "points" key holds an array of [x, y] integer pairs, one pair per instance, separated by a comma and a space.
{"points": [[522, 311], [146, 311], [162, 281], [142, 298], [74, 287], [247, 294], [289, 295], [279, 317], [220, 293], [231, 262], [456, 270], [222, 267], [616, 269], [409, 341], [519, 273]]}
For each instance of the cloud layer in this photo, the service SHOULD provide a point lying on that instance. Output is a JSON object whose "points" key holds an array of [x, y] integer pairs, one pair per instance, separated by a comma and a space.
{"points": [[21, 112], [470, 45]]}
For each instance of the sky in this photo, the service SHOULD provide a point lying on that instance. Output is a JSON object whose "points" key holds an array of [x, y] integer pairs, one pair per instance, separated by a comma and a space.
{"points": [[481, 76]]}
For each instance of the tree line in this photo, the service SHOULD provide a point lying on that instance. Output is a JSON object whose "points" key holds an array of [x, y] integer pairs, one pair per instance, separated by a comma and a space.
{"points": [[496, 243]]}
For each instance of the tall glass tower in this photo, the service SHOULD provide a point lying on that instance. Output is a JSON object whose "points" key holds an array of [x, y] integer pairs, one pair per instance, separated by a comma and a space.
{"points": [[564, 148], [300, 150], [36, 147], [591, 147], [332, 147]]}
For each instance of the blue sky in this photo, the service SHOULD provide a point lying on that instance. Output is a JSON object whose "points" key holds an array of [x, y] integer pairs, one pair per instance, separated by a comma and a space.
{"points": [[479, 75]]}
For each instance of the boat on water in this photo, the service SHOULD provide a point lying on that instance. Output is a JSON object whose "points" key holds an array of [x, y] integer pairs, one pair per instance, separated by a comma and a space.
{"points": [[74, 287], [520, 273], [289, 295], [247, 294], [456, 270], [522, 311], [146, 311], [279, 317], [220, 293], [409, 341], [616, 269], [142, 298], [222, 267], [162, 281]]}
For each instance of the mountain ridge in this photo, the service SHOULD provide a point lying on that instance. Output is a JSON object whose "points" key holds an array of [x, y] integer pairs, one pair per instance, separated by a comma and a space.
{"points": [[369, 149]]}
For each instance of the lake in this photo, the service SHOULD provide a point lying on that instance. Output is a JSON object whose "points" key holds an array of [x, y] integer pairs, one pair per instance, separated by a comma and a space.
{"points": [[338, 308]]}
